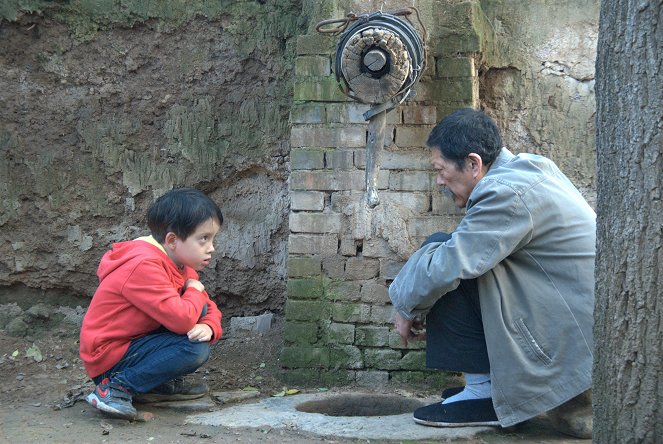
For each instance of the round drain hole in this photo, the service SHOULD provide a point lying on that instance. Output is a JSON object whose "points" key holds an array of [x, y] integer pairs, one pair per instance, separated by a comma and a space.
{"points": [[361, 405]]}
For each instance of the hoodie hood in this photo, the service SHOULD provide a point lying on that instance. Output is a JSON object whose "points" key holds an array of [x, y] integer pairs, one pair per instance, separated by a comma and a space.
{"points": [[124, 252]]}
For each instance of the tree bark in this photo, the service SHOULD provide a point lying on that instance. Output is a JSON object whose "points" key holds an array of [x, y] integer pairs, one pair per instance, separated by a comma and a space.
{"points": [[628, 329]]}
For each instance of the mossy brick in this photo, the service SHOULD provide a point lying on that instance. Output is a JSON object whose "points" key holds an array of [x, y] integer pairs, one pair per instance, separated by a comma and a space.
{"points": [[337, 180], [328, 137], [310, 113], [301, 377], [307, 159], [357, 268], [374, 293], [300, 332], [318, 89], [345, 357], [307, 288], [338, 333], [300, 266], [413, 360], [419, 115], [372, 336], [316, 44], [455, 67], [359, 313], [412, 181], [342, 291], [396, 342], [446, 108], [322, 244], [451, 90], [303, 222], [312, 66], [461, 43], [307, 200], [382, 359], [305, 310], [413, 135], [339, 159], [431, 379], [304, 357], [381, 314], [372, 379], [426, 225], [389, 268], [334, 267]]}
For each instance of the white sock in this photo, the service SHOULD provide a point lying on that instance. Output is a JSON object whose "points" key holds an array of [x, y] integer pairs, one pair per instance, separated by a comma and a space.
{"points": [[477, 386]]}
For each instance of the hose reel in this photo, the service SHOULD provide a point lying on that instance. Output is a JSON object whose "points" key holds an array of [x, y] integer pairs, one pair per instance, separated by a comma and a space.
{"points": [[379, 58]]}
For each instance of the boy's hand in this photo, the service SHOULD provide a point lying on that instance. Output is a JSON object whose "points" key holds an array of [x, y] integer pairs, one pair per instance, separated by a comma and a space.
{"points": [[195, 284], [200, 333]]}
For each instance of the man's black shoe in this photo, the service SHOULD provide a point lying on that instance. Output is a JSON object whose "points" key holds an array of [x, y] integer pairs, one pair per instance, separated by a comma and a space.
{"points": [[451, 391], [470, 413]]}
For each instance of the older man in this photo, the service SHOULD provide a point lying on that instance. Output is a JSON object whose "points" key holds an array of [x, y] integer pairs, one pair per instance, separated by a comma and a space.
{"points": [[508, 296]]}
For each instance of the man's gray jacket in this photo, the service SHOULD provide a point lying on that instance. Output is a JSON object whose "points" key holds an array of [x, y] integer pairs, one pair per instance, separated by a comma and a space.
{"points": [[528, 236]]}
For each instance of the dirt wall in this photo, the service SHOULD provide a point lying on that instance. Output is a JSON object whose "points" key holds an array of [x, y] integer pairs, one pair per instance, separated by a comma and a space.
{"points": [[104, 107]]}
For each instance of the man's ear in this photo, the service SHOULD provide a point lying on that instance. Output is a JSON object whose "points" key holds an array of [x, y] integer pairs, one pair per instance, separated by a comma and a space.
{"points": [[476, 164], [170, 240]]}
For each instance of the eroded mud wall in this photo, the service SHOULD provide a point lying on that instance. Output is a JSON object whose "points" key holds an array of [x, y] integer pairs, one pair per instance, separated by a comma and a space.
{"points": [[104, 107]]}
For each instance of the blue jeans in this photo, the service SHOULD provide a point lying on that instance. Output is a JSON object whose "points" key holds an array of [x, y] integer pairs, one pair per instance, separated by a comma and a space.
{"points": [[455, 339], [156, 358]]}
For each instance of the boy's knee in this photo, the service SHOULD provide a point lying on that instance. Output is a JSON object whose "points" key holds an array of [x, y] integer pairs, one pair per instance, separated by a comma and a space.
{"points": [[198, 352]]}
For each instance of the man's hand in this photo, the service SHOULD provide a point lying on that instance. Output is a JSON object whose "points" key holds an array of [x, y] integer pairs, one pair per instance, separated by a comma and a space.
{"points": [[405, 329], [200, 333], [195, 284]]}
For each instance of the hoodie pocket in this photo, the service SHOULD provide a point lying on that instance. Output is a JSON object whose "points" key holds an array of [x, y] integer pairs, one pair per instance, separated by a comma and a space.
{"points": [[530, 342]]}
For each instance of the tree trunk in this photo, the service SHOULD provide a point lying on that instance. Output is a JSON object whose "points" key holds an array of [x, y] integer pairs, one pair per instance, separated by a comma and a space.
{"points": [[628, 330]]}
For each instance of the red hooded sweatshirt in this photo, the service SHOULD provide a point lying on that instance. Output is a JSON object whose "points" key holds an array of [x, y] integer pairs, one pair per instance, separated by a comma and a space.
{"points": [[140, 290]]}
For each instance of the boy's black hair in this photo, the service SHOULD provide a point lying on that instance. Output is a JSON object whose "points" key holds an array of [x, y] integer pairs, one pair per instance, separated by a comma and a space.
{"points": [[463, 132], [181, 211]]}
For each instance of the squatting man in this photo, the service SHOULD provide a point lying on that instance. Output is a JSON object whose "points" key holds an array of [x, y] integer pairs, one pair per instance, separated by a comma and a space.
{"points": [[506, 298]]}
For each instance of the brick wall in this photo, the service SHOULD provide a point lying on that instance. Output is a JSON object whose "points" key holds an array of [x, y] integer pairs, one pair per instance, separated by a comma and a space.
{"points": [[343, 255]]}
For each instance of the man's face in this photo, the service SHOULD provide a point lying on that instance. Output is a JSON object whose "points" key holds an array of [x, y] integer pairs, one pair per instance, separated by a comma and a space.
{"points": [[196, 251], [458, 183]]}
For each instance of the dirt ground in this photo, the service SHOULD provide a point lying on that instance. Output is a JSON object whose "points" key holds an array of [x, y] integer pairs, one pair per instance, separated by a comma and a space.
{"points": [[39, 374]]}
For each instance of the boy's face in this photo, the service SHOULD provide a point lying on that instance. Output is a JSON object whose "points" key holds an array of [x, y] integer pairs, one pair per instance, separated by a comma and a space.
{"points": [[196, 251]]}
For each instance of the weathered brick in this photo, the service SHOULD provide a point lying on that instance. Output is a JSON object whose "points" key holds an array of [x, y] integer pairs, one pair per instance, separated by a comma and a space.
{"points": [[316, 44], [307, 200], [426, 225], [389, 268], [458, 89], [339, 159], [334, 180], [348, 246], [323, 244], [382, 314], [305, 310], [413, 360], [342, 200], [374, 293], [411, 180], [415, 201], [377, 247], [307, 113], [306, 159], [294, 357], [318, 89], [350, 312], [300, 332], [430, 379], [312, 65], [382, 359], [309, 288], [446, 108], [372, 379], [334, 267], [315, 222], [337, 333], [455, 67], [372, 336], [396, 342], [342, 290], [419, 115], [361, 268], [412, 135], [300, 266], [410, 159], [325, 137], [345, 356]]}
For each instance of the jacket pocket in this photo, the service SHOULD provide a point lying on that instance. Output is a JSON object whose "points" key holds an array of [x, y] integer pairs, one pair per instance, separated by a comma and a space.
{"points": [[534, 347]]}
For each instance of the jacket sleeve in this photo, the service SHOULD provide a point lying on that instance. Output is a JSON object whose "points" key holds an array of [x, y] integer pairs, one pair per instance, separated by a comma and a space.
{"points": [[149, 288], [497, 223], [213, 319]]}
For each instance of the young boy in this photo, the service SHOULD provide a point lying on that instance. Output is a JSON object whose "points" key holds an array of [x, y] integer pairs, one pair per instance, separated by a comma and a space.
{"points": [[150, 321]]}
